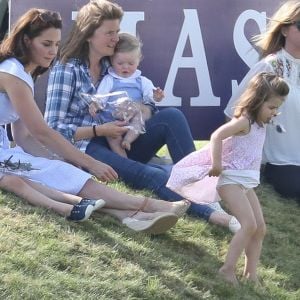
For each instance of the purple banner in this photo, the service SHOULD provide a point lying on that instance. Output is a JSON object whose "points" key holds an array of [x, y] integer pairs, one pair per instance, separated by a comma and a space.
{"points": [[196, 50]]}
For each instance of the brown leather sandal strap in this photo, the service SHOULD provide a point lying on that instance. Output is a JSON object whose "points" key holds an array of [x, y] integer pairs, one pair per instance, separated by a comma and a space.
{"points": [[142, 207]]}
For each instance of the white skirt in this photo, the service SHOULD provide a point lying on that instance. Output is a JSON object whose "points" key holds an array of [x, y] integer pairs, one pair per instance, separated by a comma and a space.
{"points": [[55, 174]]}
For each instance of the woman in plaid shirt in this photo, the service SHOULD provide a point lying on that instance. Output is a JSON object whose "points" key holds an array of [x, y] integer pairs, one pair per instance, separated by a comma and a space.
{"points": [[83, 61]]}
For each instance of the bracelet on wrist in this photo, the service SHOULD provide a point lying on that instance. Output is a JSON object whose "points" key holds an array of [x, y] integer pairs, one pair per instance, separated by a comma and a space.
{"points": [[94, 131]]}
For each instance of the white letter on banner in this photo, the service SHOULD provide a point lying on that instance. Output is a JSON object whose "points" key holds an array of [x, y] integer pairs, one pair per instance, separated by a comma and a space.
{"points": [[191, 29], [129, 21], [243, 47]]}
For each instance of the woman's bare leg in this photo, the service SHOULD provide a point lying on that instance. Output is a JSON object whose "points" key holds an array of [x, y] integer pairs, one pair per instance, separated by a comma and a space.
{"points": [[19, 187], [54, 194], [219, 218], [122, 201]]}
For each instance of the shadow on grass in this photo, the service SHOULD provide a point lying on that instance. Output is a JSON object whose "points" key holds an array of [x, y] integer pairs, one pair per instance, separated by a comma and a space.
{"points": [[180, 264], [280, 253]]}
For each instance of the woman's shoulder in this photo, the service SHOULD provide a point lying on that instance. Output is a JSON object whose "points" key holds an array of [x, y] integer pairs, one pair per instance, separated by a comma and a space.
{"points": [[14, 67], [11, 64], [271, 57]]}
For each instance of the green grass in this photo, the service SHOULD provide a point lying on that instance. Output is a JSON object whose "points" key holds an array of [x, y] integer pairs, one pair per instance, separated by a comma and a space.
{"points": [[42, 256]]}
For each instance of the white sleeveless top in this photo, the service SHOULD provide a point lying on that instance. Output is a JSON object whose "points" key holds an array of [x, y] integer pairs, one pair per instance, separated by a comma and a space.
{"points": [[279, 148], [7, 113], [55, 174], [13, 67]]}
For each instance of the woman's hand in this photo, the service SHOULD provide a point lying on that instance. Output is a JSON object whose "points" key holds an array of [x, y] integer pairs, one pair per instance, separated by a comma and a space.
{"points": [[103, 171], [112, 129]]}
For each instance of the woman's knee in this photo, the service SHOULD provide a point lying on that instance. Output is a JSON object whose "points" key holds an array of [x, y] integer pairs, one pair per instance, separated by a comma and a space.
{"points": [[11, 183], [172, 114]]}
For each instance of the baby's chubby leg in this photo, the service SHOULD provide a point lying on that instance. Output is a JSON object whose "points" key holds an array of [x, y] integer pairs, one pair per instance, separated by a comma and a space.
{"points": [[136, 126], [116, 146], [128, 139]]}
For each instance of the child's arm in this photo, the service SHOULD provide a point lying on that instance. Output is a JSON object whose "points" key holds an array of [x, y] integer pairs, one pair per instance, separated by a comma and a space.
{"points": [[158, 94], [238, 126], [151, 94]]}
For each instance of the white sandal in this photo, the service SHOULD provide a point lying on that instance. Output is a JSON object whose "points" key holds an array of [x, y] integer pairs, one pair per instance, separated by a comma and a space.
{"points": [[160, 224]]}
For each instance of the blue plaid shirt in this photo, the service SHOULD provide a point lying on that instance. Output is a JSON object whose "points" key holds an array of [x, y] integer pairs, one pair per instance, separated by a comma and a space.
{"points": [[65, 110]]}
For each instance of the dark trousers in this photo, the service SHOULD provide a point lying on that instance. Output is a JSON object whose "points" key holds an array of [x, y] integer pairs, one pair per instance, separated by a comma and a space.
{"points": [[285, 179], [169, 127]]}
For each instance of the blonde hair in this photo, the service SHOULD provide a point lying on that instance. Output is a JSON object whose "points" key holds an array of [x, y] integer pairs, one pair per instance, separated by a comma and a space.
{"points": [[260, 89], [89, 18], [272, 40]]}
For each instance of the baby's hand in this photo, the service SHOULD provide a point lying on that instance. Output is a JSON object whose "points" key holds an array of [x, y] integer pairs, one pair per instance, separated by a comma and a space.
{"points": [[93, 109], [158, 94]]}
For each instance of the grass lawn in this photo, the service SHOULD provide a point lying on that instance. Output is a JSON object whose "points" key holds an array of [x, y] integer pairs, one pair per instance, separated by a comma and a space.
{"points": [[43, 256]]}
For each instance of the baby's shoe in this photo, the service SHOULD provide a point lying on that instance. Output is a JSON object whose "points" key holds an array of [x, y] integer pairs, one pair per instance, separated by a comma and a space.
{"points": [[80, 213], [96, 203]]}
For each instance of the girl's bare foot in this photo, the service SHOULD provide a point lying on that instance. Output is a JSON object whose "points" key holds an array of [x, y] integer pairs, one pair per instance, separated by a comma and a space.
{"points": [[228, 277], [253, 279]]}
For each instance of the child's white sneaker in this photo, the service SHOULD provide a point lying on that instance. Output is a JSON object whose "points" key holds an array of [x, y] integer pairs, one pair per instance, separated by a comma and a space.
{"points": [[234, 225]]}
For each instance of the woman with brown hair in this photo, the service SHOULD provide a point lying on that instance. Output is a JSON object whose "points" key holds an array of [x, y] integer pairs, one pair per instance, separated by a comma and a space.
{"points": [[27, 52], [83, 62]]}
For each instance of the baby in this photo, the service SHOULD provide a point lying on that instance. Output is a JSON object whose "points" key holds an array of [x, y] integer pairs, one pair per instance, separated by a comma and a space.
{"points": [[124, 76]]}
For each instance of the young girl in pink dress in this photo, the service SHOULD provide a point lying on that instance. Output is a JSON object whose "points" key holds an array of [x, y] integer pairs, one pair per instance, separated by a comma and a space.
{"points": [[234, 156]]}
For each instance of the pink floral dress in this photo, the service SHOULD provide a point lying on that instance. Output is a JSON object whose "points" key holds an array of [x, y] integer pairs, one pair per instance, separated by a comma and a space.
{"points": [[241, 158]]}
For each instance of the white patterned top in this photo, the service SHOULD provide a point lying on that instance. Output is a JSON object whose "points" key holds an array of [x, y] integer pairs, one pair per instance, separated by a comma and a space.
{"points": [[279, 148]]}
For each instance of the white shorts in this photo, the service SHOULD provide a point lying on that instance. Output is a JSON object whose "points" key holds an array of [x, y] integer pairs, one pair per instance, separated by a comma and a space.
{"points": [[248, 179]]}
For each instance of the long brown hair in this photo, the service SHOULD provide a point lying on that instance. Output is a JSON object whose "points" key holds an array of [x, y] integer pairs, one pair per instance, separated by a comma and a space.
{"points": [[31, 24], [260, 89], [89, 18], [272, 40]]}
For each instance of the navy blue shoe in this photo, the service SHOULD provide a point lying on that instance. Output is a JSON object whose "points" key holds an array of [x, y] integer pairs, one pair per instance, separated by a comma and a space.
{"points": [[80, 213], [96, 203]]}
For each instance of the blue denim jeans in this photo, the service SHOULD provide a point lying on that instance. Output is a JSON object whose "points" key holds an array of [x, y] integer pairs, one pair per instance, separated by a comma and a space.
{"points": [[167, 127]]}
